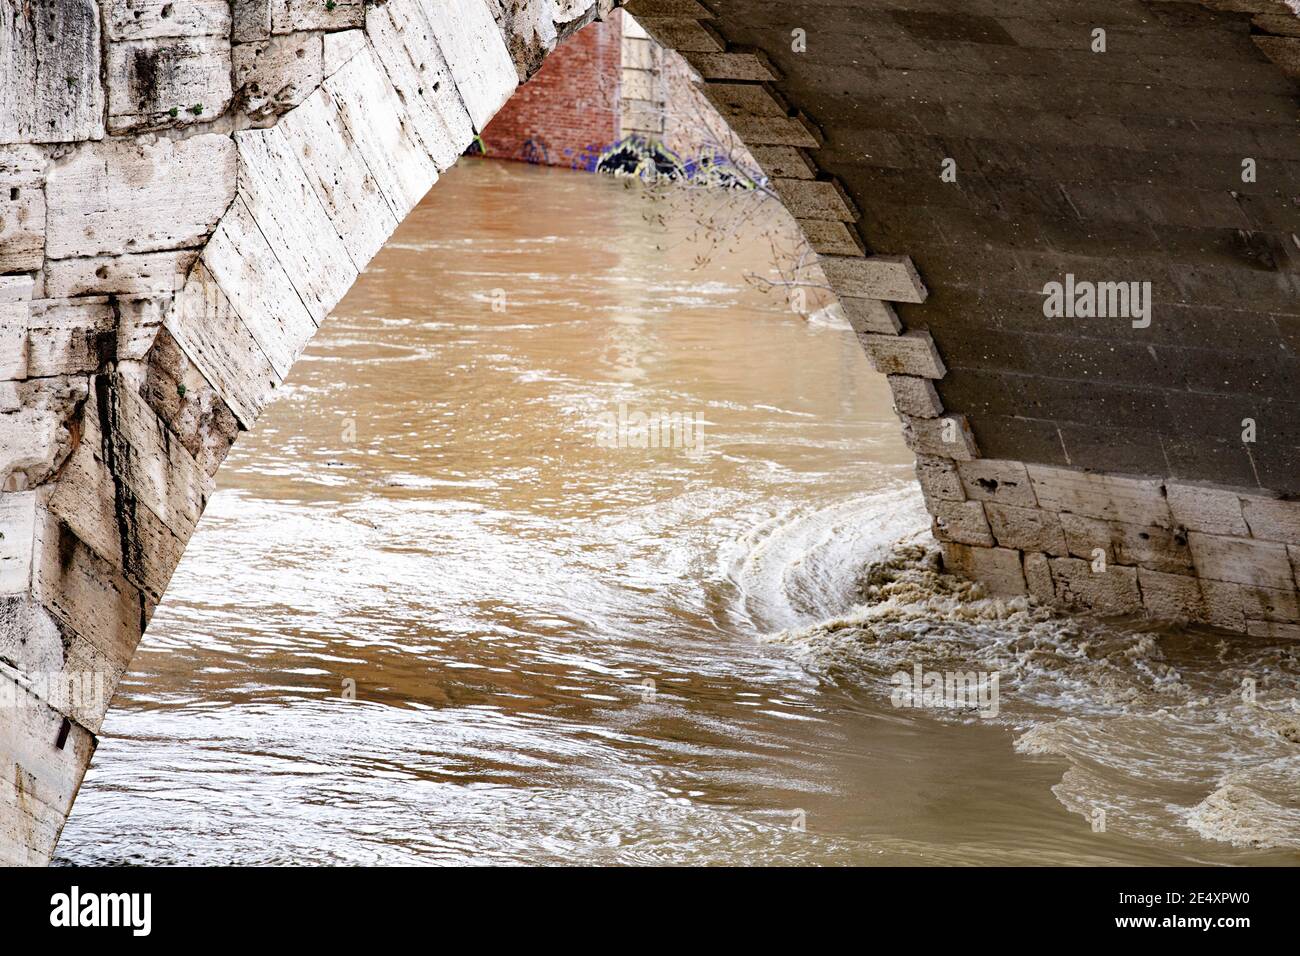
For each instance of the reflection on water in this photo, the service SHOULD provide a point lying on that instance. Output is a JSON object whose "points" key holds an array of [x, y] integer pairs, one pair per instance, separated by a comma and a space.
{"points": [[566, 652]]}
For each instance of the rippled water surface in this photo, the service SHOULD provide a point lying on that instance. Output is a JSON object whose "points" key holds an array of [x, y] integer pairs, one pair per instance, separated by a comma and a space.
{"points": [[568, 653]]}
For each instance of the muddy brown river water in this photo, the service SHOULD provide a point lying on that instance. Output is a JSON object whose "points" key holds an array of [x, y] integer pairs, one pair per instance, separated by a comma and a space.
{"points": [[445, 609]]}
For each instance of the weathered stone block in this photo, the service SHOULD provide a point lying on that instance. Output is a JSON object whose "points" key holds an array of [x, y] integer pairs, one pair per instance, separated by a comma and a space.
{"points": [[912, 353], [274, 75], [14, 289], [892, 278], [241, 261], [831, 237], [168, 82], [17, 525], [476, 53], [1113, 591], [1171, 597], [871, 316], [939, 479], [150, 273], [290, 16], [1230, 605], [996, 568], [50, 89], [29, 637], [961, 521], [275, 189], [1159, 549], [69, 337], [117, 197], [528, 29], [403, 42], [121, 530], [177, 391], [1272, 519], [37, 436], [915, 397], [1006, 482], [250, 20], [402, 168], [153, 19], [1241, 560], [13, 340], [1138, 501], [212, 335], [22, 208], [946, 437], [340, 47], [815, 199], [340, 176], [101, 614], [40, 780], [1038, 578], [1211, 510], [1274, 630], [1029, 529]]}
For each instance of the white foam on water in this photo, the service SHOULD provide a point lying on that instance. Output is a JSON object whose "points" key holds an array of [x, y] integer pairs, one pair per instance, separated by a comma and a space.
{"points": [[1164, 729]]}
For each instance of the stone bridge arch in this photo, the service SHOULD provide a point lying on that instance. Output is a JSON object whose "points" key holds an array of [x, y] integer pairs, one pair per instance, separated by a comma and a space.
{"points": [[190, 189]]}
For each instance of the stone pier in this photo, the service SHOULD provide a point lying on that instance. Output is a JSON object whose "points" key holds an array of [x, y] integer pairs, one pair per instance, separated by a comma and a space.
{"points": [[187, 189]]}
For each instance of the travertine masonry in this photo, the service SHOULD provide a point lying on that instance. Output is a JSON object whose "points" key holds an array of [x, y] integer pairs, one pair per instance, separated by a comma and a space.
{"points": [[187, 190]]}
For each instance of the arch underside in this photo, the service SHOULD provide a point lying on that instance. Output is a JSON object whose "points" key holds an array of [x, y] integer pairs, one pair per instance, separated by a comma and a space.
{"points": [[157, 288]]}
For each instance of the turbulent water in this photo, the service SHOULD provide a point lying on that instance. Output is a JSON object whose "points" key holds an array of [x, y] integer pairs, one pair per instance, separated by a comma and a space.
{"points": [[433, 616]]}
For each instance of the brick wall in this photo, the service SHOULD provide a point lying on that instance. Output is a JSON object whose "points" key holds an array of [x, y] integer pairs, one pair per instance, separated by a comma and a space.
{"points": [[568, 112]]}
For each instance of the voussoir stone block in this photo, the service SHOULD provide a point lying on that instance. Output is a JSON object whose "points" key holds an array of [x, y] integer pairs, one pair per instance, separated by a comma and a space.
{"points": [[871, 316], [122, 196], [939, 479], [892, 278], [946, 437], [282, 203], [476, 53], [916, 397], [101, 614], [402, 40], [912, 353]]}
